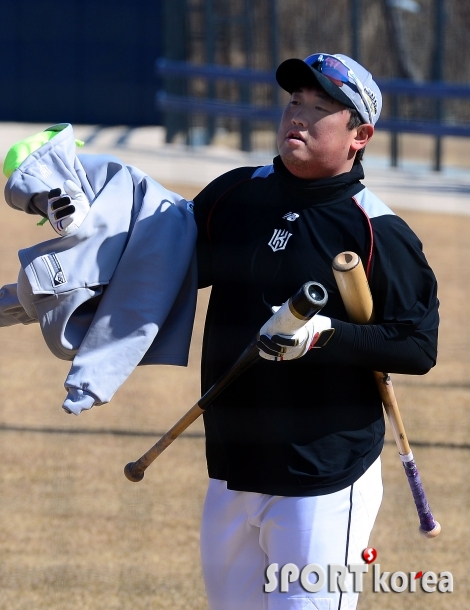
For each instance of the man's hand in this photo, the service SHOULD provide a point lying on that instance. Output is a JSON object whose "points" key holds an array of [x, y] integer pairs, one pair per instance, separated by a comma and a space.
{"points": [[66, 212], [315, 333]]}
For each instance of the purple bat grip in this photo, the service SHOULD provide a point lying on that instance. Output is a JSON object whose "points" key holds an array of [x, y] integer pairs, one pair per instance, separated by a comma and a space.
{"points": [[426, 519]]}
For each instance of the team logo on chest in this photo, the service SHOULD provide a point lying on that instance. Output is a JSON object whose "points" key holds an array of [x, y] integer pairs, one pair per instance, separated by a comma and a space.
{"points": [[279, 239]]}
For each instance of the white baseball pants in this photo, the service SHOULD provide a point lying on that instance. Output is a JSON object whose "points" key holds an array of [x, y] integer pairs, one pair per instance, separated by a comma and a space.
{"points": [[244, 532]]}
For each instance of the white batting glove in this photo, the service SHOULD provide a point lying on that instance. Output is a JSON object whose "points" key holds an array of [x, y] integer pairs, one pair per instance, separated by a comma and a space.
{"points": [[315, 333], [66, 212]]}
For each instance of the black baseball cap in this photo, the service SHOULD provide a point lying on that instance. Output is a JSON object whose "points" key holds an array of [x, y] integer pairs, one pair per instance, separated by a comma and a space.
{"points": [[340, 76]]}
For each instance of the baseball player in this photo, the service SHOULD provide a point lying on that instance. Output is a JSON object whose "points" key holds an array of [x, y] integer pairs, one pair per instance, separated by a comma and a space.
{"points": [[293, 445]]}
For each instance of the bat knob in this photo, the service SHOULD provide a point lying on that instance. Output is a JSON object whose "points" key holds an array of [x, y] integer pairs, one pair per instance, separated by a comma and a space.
{"points": [[132, 473], [436, 530]]}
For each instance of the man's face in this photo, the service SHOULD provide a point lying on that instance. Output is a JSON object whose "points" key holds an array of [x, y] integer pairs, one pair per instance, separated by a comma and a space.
{"points": [[313, 138]]}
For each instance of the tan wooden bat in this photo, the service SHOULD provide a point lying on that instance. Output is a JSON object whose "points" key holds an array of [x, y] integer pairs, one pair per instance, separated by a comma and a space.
{"points": [[293, 314], [355, 292]]}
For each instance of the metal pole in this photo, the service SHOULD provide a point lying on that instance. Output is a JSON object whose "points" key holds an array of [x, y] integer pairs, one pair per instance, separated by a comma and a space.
{"points": [[274, 44], [209, 43], [175, 33], [394, 136], [437, 75], [355, 29], [245, 93], [274, 40]]}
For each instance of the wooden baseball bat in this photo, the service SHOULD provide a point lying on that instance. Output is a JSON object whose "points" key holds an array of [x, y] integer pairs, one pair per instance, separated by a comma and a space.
{"points": [[355, 292], [290, 317]]}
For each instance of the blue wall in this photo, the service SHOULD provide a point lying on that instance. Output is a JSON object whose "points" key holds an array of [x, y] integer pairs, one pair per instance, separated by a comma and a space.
{"points": [[79, 61]]}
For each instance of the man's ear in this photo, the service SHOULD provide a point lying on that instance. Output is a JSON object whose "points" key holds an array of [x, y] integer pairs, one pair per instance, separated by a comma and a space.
{"points": [[363, 134]]}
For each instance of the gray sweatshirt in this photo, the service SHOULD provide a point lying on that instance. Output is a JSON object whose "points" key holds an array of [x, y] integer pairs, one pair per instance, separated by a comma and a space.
{"points": [[118, 292]]}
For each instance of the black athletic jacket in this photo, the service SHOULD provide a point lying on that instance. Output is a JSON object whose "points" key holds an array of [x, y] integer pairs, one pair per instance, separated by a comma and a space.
{"points": [[314, 425]]}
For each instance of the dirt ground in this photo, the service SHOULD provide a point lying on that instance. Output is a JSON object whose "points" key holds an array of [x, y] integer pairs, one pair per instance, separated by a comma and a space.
{"points": [[74, 533]]}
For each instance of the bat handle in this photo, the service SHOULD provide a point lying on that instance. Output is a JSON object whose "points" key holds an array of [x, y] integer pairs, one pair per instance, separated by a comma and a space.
{"points": [[428, 526], [134, 471]]}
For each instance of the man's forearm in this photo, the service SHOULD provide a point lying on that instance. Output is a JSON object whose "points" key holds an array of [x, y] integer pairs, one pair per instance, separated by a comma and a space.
{"points": [[369, 347]]}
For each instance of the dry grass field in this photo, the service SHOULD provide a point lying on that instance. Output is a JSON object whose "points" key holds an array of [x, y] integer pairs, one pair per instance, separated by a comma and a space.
{"points": [[75, 534]]}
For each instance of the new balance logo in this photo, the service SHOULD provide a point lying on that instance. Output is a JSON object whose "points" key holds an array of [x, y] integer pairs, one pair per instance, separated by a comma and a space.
{"points": [[291, 216], [279, 239], [45, 171]]}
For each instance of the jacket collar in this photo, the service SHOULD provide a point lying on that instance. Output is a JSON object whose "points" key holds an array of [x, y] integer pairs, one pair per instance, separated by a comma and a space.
{"points": [[325, 190]]}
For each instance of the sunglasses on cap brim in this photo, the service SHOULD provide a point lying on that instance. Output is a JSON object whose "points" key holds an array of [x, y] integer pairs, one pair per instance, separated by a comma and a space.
{"points": [[338, 72]]}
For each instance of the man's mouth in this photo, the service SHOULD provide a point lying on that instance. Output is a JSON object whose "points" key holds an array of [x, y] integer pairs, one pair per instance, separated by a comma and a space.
{"points": [[294, 135]]}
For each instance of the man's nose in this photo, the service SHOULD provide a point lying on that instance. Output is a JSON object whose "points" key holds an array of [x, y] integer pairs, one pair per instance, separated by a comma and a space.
{"points": [[299, 119]]}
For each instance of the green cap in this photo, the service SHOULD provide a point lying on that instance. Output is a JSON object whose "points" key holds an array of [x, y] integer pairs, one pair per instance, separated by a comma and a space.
{"points": [[21, 150]]}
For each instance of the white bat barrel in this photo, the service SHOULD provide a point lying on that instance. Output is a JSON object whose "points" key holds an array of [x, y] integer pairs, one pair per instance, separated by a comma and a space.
{"points": [[295, 312]]}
